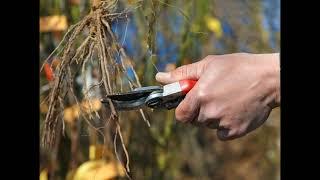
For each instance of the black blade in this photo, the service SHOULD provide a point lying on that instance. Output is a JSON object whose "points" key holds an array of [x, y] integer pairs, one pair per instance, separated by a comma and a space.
{"points": [[133, 95], [129, 96], [128, 105]]}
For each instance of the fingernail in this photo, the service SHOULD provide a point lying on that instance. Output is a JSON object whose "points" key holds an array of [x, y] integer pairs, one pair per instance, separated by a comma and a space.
{"points": [[162, 76]]}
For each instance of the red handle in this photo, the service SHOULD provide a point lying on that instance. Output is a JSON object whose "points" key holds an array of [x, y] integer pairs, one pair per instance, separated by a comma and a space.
{"points": [[187, 85]]}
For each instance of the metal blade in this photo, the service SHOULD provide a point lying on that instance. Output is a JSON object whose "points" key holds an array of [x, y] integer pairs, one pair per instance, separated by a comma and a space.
{"points": [[128, 105], [131, 100], [133, 95]]}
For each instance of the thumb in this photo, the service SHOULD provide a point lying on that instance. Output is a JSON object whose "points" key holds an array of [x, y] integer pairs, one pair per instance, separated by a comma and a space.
{"points": [[190, 71]]}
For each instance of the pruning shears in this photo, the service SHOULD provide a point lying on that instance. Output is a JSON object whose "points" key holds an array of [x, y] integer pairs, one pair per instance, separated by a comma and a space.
{"points": [[156, 97]]}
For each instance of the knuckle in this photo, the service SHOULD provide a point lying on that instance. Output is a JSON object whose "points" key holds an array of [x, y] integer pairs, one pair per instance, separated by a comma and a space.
{"points": [[234, 132], [202, 118], [243, 129], [229, 134], [183, 114], [181, 71], [237, 132], [182, 118], [203, 94], [200, 95], [225, 124], [214, 113], [211, 113]]}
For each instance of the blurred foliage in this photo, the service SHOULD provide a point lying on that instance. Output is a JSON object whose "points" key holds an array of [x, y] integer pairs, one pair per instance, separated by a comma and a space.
{"points": [[158, 36]]}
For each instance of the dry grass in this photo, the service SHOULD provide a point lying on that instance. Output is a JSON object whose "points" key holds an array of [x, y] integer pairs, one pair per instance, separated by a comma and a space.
{"points": [[96, 40]]}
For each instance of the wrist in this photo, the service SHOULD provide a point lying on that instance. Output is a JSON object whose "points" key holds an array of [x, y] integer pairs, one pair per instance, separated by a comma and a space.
{"points": [[273, 62], [269, 68], [276, 59]]}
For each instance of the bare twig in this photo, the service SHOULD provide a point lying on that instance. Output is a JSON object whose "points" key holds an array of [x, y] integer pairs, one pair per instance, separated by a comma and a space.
{"points": [[100, 41]]}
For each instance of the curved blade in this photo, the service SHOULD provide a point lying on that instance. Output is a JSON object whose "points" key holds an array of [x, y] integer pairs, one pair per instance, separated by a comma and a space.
{"points": [[133, 95], [128, 105]]}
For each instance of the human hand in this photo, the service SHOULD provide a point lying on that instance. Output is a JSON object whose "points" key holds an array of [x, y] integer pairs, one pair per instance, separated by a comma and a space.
{"points": [[235, 93]]}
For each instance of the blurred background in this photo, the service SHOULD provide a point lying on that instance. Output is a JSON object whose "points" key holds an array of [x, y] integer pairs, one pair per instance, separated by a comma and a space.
{"points": [[160, 35]]}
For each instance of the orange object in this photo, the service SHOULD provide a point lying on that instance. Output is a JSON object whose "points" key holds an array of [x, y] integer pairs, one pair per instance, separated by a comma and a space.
{"points": [[53, 23], [48, 72]]}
